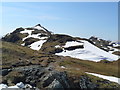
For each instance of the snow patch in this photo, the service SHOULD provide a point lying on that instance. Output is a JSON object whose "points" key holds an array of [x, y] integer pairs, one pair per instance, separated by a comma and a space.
{"points": [[57, 46], [27, 31], [72, 43], [43, 38], [23, 44], [37, 45], [3, 86], [89, 52], [62, 67], [116, 45], [32, 35], [113, 50], [18, 85], [110, 78], [38, 27]]}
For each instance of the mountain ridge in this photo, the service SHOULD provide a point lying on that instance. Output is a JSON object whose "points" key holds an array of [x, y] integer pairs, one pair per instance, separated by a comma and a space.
{"points": [[39, 38], [28, 60]]}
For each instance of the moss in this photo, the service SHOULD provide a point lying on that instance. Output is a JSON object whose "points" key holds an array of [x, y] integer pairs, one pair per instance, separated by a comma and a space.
{"points": [[65, 62]]}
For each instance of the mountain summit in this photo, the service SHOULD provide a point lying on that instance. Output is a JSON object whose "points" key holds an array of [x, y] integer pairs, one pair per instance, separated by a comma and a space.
{"points": [[38, 25]]}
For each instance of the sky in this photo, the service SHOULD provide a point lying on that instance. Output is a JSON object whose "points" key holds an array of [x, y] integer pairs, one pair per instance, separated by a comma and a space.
{"points": [[80, 19]]}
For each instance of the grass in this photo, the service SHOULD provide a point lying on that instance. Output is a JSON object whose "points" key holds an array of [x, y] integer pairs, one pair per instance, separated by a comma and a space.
{"points": [[101, 82], [49, 46], [74, 76], [90, 66], [13, 54], [17, 55]]}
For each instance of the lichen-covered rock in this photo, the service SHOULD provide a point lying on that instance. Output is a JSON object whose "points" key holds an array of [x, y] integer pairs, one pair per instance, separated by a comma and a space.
{"points": [[86, 83], [38, 76]]}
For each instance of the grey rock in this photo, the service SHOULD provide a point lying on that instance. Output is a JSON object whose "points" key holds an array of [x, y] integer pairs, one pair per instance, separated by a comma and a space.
{"points": [[4, 72], [86, 83]]}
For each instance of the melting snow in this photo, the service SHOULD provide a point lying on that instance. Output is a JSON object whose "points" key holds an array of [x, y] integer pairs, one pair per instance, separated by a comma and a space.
{"points": [[62, 67], [38, 27], [37, 45], [27, 31], [32, 35], [72, 43], [110, 78], [23, 44], [116, 45], [57, 46], [113, 49], [3, 86], [18, 85], [89, 52]]}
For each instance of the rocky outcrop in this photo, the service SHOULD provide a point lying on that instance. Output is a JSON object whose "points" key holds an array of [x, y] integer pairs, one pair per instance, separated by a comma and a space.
{"points": [[30, 40], [117, 53], [56, 50], [86, 83], [38, 76], [103, 44], [48, 78], [14, 36], [37, 33], [74, 47], [4, 72], [53, 40], [60, 38]]}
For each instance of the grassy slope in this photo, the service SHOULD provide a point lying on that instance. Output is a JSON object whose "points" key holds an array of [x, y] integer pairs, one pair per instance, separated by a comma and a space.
{"points": [[13, 54], [18, 55], [77, 65]]}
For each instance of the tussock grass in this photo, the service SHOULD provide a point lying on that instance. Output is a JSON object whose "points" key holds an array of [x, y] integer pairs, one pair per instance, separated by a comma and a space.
{"points": [[14, 54], [110, 69]]}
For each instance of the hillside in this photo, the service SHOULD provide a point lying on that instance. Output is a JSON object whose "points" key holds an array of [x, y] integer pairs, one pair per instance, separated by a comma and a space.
{"points": [[38, 58], [39, 38]]}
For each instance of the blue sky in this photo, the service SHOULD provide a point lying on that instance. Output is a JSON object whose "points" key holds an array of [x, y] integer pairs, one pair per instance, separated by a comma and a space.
{"points": [[82, 19]]}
